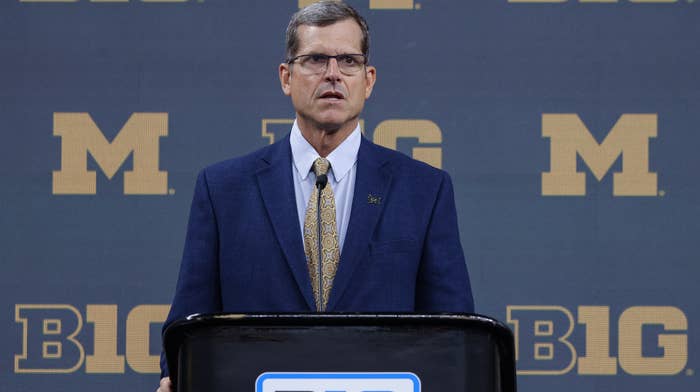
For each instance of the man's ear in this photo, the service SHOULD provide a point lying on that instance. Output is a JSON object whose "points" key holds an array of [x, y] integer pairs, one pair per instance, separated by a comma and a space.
{"points": [[285, 75], [370, 79]]}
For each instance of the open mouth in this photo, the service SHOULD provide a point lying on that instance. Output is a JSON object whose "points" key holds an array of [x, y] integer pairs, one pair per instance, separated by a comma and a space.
{"points": [[332, 95]]}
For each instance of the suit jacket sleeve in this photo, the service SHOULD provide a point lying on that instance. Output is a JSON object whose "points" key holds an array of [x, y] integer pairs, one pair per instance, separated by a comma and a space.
{"points": [[198, 286], [443, 280]]}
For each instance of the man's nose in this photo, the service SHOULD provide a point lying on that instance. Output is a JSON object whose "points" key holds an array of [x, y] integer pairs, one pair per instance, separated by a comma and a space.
{"points": [[332, 70]]}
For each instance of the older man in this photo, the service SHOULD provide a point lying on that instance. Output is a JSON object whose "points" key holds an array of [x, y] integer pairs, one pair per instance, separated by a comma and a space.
{"points": [[323, 220]]}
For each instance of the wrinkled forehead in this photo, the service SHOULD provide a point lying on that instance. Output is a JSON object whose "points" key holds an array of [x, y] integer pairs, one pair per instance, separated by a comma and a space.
{"points": [[344, 36]]}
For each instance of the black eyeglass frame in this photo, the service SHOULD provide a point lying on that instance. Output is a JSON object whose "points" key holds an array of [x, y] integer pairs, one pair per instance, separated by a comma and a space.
{"points": [[328, 58]]}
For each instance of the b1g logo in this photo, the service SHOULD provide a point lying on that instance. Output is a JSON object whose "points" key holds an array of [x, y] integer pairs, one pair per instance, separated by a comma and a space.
{"points": [[54, 339], [336, 382], [387, 133], [102, 1], [596, 1], [139, 137], [652, 340], [628, 140]]}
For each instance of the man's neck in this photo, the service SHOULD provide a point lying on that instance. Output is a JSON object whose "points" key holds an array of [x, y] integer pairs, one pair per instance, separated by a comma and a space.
{"points": [[324, 141]]}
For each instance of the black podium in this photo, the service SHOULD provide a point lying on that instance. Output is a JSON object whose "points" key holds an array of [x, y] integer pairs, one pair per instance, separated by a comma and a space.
{"points": [[340, 352]]}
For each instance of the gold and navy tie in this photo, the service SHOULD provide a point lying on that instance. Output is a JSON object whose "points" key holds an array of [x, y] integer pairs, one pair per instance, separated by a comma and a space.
{"points": [[329, 239]]}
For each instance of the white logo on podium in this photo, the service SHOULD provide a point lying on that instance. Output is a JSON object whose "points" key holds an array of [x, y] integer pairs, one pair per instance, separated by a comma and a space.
{"points": [[336, 382]]}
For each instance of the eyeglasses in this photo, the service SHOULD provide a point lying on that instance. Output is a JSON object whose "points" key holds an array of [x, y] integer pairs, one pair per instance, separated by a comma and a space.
{"points": [[317, 63]]}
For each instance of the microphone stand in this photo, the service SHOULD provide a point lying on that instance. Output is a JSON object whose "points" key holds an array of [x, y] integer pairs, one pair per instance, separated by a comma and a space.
{"points": [[321, 182]]}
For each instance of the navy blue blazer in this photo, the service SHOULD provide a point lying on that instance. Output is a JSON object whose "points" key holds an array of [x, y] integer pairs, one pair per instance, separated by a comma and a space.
{"points": [[244, 250]]}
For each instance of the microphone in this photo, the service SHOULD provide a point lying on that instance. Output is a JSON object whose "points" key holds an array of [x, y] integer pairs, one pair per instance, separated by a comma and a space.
{"points": [[321, 181]]}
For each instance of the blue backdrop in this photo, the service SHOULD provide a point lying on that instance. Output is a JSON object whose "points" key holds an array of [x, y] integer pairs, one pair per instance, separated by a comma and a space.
{"points": [[569, 129]]}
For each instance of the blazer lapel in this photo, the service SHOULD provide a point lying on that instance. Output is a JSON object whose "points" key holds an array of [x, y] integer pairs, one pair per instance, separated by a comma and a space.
{"points": [[277, 189], [372, 182]]}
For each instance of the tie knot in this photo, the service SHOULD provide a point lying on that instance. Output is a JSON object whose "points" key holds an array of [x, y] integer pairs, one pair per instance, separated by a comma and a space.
{"points": [[321, 166]]}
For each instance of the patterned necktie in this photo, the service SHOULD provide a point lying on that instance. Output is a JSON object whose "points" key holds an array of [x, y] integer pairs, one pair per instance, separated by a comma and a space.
{"points": [[328, 263]]}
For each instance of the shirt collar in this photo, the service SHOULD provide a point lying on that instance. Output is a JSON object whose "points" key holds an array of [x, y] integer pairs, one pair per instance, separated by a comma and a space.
{"points": [[341, 159]]}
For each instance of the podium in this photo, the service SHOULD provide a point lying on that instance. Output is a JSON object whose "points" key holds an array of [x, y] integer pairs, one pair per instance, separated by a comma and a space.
{"points": [[340, 352]]}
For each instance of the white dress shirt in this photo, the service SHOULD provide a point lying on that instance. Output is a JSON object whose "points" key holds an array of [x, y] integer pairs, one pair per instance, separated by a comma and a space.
{"points": [[341, 176]]}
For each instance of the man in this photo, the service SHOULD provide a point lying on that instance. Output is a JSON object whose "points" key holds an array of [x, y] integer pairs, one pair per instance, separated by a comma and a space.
{"points": [[388, 237]]}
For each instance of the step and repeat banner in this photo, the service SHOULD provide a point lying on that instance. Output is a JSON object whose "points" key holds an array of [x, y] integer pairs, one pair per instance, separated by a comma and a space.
{"points": [[571, 129]]}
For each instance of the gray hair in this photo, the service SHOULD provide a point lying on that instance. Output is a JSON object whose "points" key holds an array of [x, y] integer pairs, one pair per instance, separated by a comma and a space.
{"points": [[324, 13]]}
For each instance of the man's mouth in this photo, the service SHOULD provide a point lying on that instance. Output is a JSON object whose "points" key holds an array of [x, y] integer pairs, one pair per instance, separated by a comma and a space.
{"points": [[332, 95]]}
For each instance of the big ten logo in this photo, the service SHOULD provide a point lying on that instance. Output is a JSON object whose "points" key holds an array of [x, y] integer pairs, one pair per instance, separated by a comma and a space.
{"points": [[336, 382], [628, 139], [598, 1], [55, 339], [107, 1], [139, 138], [378, 4], [423, 137], [651, 340]]}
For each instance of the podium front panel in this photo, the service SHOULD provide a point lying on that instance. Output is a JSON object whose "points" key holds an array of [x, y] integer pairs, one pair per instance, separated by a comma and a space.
{"points": [[442, 353]]}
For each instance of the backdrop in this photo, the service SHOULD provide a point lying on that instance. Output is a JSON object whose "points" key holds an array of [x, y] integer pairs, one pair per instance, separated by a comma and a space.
{"points": [[570, 129]]}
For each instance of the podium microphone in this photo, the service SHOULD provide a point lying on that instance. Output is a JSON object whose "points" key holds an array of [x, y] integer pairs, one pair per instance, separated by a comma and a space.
{"points": [[321, 182]]}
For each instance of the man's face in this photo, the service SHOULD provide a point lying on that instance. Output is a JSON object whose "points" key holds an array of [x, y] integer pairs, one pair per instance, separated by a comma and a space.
{"points": [[330, 100]]}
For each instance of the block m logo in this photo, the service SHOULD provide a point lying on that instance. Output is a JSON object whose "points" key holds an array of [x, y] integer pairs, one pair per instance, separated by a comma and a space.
{"points": [[629, 139], [79, 135]]}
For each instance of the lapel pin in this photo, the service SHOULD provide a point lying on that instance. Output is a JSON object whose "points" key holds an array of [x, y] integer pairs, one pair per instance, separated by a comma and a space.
{"points": [[372, 199]]}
